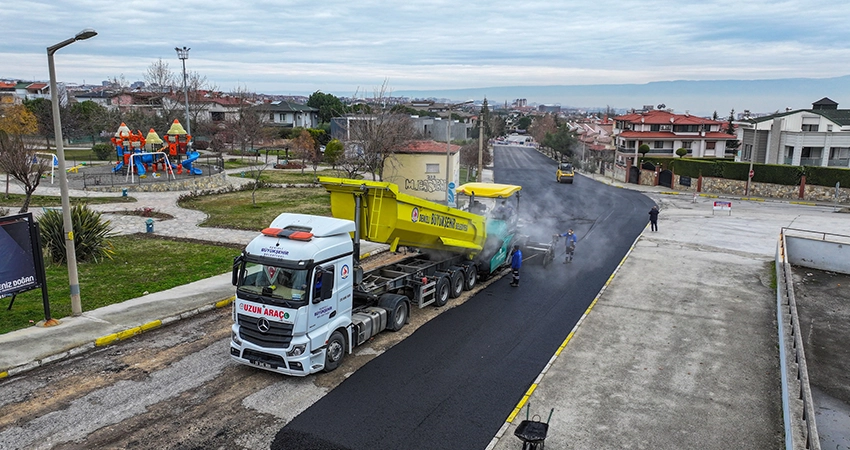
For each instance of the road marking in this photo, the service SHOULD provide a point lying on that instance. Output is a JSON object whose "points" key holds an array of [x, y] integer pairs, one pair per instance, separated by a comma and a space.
{"points": [[525, 398]]}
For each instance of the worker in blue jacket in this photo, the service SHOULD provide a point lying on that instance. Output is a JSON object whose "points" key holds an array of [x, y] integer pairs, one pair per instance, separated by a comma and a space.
{"points": [[571, 244], [516, 263]]}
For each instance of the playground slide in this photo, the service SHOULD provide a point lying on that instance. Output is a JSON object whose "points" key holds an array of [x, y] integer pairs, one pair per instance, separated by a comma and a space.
{"points": [[140, 168], [187, 163], [118, 167]]}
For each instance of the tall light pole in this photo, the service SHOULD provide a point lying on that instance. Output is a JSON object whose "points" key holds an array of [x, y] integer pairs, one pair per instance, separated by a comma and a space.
{"points": [[183, 54], [70, 249], [449, 201]]}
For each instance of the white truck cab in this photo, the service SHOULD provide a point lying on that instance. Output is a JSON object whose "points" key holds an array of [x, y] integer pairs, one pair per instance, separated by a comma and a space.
{"points": [[293, 292]]}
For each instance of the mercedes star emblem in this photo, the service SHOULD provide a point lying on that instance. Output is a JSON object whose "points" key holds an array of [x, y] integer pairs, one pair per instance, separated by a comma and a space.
{"points": [[263, 325]]}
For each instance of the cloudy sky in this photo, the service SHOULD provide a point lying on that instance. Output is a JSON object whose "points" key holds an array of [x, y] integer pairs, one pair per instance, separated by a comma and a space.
{"points": [[348, 47]]}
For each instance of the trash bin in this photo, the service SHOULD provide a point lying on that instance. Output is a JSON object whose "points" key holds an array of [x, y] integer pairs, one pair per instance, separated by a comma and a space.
{"points": [[124, 192], [149, 225]]}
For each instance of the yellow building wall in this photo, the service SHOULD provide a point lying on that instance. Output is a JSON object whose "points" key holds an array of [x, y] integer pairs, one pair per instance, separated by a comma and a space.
{"points": [[409, 172]]}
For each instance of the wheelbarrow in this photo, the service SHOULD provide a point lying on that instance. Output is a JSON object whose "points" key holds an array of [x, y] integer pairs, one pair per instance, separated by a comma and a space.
{"points": [[532, 432], [542, 251]]}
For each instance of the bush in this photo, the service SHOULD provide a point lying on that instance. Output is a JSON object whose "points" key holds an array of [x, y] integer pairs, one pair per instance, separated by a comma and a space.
{"points": [[201, 145], [91, 235], [103, 152]]}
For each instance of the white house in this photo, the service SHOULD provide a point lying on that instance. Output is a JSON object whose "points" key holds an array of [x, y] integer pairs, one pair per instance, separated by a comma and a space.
{"points": [[819, 136]]}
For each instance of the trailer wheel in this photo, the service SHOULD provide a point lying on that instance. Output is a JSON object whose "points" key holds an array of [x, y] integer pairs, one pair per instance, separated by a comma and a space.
{"points": [[443, 292], [334, 351], [457, 283], [470, 278]]}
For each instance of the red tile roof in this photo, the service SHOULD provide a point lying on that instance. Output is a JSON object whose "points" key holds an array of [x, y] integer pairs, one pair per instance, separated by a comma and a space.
{"points": [[682, 137], [663, 117], [36, 86], [428, 147]]}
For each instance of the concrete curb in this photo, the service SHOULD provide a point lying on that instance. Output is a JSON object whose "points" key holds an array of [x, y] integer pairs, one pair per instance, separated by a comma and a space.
{"points": [[115, 337], [509, 421]]}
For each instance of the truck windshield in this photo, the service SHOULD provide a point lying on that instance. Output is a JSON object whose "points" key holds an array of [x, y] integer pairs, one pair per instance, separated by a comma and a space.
{"points": [[274, 284]]}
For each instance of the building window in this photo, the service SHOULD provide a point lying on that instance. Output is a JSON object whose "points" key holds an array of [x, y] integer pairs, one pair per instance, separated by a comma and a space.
{"points": [[688, 144], [217, 116], [432, 168], [271, 117], [808, 127], [710, 145], [658, 144], [655, 127], [829, 128]]}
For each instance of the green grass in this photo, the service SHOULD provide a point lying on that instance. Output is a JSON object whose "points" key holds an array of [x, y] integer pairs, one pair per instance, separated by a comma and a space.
{"points": [[38, 201], [293, 177], [139, 264], [236, 210]]}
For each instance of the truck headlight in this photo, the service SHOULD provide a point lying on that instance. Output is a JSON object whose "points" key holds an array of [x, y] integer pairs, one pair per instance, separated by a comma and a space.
{"points": [[297, 350], [234, 336]]}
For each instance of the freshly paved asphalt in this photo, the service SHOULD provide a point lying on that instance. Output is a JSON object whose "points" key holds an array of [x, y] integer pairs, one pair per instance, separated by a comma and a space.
{"points": [[676, 350]]}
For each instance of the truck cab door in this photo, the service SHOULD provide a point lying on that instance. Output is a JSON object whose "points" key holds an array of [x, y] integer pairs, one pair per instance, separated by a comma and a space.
{"points": [[323, 308]]}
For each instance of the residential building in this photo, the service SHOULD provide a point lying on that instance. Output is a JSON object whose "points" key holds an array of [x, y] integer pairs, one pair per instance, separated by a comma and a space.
{"points": [[288, 114], [665, 132], [819, 136]]}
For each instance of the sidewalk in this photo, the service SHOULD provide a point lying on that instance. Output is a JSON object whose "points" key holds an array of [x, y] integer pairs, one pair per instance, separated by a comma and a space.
{"points": [[679, 349]]}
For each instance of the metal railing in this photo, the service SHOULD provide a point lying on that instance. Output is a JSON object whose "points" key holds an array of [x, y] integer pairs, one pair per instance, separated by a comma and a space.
{"points": [[792, 358]]}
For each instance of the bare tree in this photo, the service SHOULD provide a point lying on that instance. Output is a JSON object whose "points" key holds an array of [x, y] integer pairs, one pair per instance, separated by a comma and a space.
{"points": [[305, 147], [247, 125], [351, 161], [162, 80], [469, 157], [17, 157], [380, 132], [198, 87]]}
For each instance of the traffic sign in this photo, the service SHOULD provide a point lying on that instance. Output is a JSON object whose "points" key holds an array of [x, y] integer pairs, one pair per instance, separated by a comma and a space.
{"points": [[752, 172]]}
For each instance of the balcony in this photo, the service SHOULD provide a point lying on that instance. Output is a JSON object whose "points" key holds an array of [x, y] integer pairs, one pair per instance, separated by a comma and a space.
{"points": [[839, 162], [810, 161]]}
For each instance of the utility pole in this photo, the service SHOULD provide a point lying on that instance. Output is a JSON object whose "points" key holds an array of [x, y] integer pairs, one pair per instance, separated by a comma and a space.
{"points": [[752, 155], [480, 149]]}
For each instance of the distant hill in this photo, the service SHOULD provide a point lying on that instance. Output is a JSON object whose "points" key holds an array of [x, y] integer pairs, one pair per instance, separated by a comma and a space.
{"points": [[697, 97]]}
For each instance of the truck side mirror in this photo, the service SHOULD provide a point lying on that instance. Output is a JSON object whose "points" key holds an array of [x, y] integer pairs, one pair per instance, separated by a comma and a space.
{"points": [[237, 264]]}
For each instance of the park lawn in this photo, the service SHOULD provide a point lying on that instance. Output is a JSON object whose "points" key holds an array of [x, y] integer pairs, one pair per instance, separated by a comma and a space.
{"points": [[38, 201], [291, 177], [140, 263], [236, 209]]}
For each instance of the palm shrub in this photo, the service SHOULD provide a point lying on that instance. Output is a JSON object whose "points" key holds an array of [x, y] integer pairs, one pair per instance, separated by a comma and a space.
{"points": [[91, 235]]}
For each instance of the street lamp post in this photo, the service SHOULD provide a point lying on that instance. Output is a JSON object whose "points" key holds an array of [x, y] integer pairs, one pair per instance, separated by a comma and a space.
{"points": [[70, 249], [183, 54], [449, 149]]}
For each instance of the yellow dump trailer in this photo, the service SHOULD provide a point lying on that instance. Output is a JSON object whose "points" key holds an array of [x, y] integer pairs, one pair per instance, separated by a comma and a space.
{"points": [[396, 218]]}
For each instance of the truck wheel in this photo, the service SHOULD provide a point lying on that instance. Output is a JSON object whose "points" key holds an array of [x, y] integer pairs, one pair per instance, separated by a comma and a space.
{"points": [[399, 317], [457, 283], [470, 278], [334, 351], [443, 291]]}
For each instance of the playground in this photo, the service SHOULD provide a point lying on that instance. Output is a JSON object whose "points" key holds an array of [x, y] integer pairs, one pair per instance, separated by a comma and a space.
{"points": [[147, 162]]}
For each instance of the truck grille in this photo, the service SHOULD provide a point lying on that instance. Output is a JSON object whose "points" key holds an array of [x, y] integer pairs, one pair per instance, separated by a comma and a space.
{"points": [[279, 334]]}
